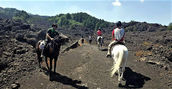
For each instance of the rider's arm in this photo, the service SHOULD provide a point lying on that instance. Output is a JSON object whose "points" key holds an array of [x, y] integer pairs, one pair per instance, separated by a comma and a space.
{"points": [[101, 33], [123, 31], [48, 36], [57, 33], [113, 35]]}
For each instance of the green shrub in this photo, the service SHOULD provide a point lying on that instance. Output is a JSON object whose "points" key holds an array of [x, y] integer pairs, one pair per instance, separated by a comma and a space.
{"points": [[170, 26]]}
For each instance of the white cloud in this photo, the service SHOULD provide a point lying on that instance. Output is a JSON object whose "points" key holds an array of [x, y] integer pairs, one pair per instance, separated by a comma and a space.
{"points": [[141, 0], [116, 3]]}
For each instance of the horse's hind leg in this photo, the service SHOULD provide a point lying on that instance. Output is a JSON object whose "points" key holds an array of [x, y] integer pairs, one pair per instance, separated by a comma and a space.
{"points": [[119, 77], [39, 60], [46, 63], [50, 69], [122, 72], [101, 43], [55, 61]]}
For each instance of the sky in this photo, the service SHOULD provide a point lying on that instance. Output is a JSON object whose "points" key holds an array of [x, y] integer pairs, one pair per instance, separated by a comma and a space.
{"points": [[151, 11]]}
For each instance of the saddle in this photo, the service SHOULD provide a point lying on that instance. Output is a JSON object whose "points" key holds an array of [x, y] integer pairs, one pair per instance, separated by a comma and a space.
{"points": [[46, 47], [42, 45], [119, 42], [99, 37]]}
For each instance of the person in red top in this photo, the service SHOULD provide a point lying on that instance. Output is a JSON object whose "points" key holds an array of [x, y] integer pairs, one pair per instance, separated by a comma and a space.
{"points": [[117, 37], [99, 33]]}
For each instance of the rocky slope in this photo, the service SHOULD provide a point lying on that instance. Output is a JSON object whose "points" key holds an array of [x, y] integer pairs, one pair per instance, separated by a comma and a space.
{"points": [[150, 43], [86, 67], [17, 52], [17, 56]]}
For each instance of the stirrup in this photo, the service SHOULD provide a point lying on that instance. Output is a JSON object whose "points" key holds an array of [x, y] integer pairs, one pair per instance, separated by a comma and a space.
{"points": [[108, 56], [42, 56]]}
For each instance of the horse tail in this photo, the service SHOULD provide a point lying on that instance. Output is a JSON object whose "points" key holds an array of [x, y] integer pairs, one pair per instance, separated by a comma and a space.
{"points": [[116, 65], [38, 51]]}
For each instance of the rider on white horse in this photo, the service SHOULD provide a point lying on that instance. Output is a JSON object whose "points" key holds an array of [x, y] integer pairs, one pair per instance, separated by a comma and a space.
{"points": [[99, 34], [117, 37]]}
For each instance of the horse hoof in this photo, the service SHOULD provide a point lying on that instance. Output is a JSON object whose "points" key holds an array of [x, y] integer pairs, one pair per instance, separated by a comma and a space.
{"points": [[108, 56], [51, 79], [119, 85], [40, 70], [123, 79], [127, 85]]}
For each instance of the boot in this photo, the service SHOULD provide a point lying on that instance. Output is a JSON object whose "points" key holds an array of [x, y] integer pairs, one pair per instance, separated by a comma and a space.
{"points": [[108, 55], [42, 53]]}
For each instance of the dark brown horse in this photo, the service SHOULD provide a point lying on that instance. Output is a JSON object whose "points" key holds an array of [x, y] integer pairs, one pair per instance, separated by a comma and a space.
{"points": [[51, 51]]}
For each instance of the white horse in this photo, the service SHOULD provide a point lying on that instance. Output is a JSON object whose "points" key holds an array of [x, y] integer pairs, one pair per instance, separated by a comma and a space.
{"points": [[119, 54], [99, 41]]}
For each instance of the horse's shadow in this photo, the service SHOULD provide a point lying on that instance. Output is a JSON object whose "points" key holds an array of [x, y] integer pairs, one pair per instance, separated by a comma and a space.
{"points": [[133, 79], [104, 49], [65, 80]]}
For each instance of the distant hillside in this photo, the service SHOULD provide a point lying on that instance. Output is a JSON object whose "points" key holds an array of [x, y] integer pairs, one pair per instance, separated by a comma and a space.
{"points": [[75, 21], [79, 19], [64, 20], [143, 26], [12, 13], [8, 13]]}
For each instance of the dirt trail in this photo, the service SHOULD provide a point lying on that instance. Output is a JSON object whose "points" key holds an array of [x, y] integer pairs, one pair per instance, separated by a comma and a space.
{"points": [[85, 67]]}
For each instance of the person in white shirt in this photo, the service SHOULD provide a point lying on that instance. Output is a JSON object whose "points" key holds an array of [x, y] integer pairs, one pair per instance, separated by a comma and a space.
{"points": [[117, 37]]}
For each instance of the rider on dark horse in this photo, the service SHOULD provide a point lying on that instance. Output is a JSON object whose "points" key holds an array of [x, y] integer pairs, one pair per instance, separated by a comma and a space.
{"points": [[51, 33], [117, 37]]}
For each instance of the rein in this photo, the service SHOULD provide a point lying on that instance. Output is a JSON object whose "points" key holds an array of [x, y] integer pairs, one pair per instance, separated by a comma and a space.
{"points": [[53, 41]]}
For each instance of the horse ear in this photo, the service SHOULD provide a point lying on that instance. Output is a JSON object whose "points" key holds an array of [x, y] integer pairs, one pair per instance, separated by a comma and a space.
{"points": [[59, 38]]}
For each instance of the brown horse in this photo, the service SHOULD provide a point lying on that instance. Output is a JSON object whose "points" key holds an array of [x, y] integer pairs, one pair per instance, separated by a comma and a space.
{"points": [[51, 51]]}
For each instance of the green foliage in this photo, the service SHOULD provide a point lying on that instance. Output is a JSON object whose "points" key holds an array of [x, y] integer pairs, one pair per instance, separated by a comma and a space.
{"points": [[61, 15], [170, 26], [22, 15], [79, 19], [74, 24], [90, 23], [8, 12], [63, 21], [68, 16]]}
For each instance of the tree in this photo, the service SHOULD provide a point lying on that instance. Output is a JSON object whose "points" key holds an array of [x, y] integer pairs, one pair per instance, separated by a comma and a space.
{"points": [[68, 16], [22, 15], [169, 26], [63, 21]]}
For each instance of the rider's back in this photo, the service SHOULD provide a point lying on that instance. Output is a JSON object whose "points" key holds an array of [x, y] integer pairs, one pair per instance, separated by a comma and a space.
{"points": [[118, 34], [52, 32], [99, 33]]}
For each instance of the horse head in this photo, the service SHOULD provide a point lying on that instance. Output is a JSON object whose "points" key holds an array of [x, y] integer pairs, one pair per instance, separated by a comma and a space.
{"points": [[61, 39]]}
